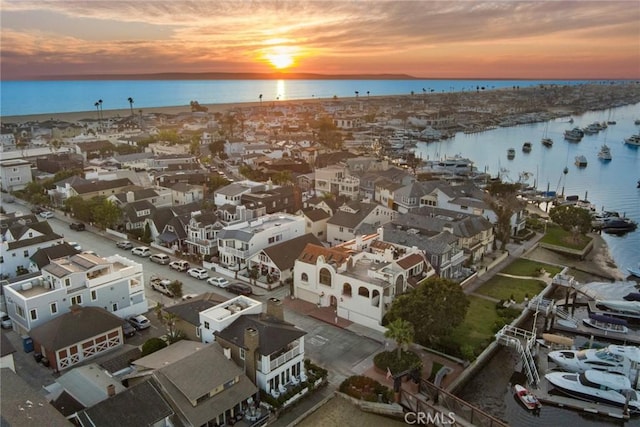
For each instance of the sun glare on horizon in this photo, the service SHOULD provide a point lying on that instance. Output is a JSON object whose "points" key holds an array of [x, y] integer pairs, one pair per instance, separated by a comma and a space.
{"points": [[280, 57]]}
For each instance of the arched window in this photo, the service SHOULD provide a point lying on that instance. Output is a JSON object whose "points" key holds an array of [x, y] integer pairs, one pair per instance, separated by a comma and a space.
{"points": [[399, 285], [325, 277], [363, 292], [304, 277], [346, 290], [375, 298]]}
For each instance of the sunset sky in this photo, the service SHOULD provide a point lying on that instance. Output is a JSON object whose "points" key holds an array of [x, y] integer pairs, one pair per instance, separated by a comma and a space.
{"points": [[429, 39]]}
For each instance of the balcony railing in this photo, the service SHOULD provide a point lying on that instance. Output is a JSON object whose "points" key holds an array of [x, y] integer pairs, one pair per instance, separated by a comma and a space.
{"points": [[284, 357]]}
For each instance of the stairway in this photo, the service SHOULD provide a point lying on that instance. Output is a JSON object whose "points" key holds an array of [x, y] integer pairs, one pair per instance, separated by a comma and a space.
{"points": [[523, 341]]}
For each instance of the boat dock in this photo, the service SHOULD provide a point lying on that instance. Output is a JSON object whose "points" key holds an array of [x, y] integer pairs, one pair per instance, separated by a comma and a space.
{"points": [[543, 394], [630, 338]]}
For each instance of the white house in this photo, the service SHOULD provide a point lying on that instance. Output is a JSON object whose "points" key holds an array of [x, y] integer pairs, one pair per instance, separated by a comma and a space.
{"points": [[232, 193], [220, 316], [238, 242], [271, 349], [14, 174], [335, 179], [23, 236], [359, 279], [115, 283]]}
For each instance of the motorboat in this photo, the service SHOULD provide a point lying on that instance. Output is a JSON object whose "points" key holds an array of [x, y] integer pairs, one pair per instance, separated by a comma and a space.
{"points": [[528, 399], [593, 128], [607, 323], [605, 153], [511, 153], [547, 142], [574, 134], [618, 225], [633, 140], [596, 386], [622, 306], [636, 272], [526, 147], [620, 359], [581, 161]]}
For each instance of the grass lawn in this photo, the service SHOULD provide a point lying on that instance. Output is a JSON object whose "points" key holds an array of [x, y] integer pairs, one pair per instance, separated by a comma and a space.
{"points": [[501, 287], [477, 328], [557, 236], [525, 267]]}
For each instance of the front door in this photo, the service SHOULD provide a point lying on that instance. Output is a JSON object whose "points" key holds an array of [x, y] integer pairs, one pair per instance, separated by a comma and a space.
{"points": [[333, 301]]}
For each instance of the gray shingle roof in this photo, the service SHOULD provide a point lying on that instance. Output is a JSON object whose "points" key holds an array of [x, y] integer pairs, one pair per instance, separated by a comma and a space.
{"points": [[352, 220], [284, 254]]}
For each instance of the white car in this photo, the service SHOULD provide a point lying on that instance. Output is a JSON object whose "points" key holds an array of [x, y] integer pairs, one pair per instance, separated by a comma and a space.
{"points": [[198, 273], [139, 322], [75, 245], [46, 214], [220, 282], [141, 251]]}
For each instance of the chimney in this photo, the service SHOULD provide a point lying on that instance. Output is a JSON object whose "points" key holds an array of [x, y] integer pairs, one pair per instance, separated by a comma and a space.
{"points": [[274, 309], [251, 344], [130, 197], [111, 390]]}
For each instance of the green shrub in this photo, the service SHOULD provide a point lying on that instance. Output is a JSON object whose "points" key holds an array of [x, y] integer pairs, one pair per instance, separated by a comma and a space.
{"points": [[152, 345], [389, 359], [365, 388]]}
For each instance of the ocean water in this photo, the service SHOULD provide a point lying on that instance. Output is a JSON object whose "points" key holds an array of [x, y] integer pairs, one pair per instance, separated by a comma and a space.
{"points": [[608, 185], [42, 97]]}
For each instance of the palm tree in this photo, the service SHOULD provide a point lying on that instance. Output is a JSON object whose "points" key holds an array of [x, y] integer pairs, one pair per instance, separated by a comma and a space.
{"points": [[402, 332], [260, 97], [97, 109], [130, 99], [367, 94], [357, 93], [101, 111]]}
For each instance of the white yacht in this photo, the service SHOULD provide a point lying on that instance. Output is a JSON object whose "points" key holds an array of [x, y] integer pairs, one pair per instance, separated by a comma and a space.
{"points": [[605, 153], [596, 386], [633, 140], [620, 359], [622, 306]]}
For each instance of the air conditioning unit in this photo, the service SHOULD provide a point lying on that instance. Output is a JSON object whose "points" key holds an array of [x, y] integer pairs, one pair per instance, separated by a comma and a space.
{"points": [[26, 286]]}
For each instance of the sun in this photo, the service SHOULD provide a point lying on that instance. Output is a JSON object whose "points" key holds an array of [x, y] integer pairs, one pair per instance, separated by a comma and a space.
{"points": [[281, 60], [280, 57]]}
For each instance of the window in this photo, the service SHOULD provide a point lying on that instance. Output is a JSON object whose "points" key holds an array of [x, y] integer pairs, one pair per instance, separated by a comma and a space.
{"points": [[206, 325], [325, 277], [241, 353], [20, 311], [198, 332], [304, 277], [26, 253], [346, 290], [94, 295], [363, 292], [67, 282], [1, 259], [53, 307], [114, 306], [76, 299], [33, 314]]}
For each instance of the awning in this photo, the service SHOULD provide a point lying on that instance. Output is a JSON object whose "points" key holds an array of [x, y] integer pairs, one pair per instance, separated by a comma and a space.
{"points": [[168, 237]]}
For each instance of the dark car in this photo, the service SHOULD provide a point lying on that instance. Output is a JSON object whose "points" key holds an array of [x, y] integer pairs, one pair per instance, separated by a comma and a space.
{"points": [[128, 330], [78, 226], [37, 209], [239, 289]]}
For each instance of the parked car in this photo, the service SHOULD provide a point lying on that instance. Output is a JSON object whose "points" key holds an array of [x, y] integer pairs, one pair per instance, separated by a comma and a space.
{"points": [[179, 265], [161, 285], [124, 244], [75, 245], [46, 214], [141, 251], [198, 273], [188, 296], [139, 322], [6, 320], [220, 282], [37, 209], [160, 259], [78, 226], [240, 289], [128, 330]]}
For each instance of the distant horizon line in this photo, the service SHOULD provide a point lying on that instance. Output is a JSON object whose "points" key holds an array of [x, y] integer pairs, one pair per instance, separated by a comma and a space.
{"points": [[275, 76]]}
